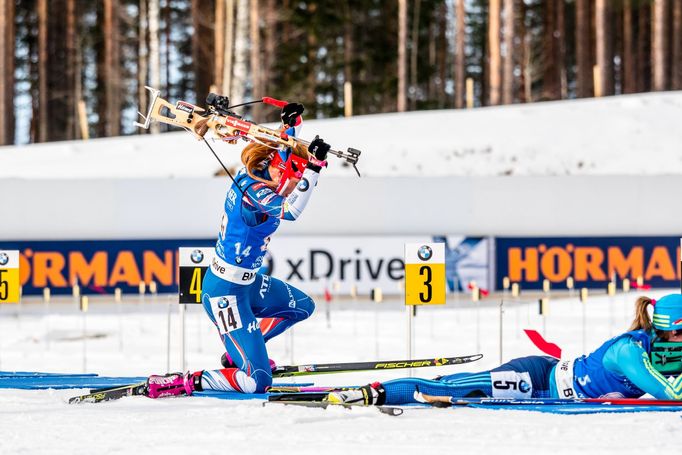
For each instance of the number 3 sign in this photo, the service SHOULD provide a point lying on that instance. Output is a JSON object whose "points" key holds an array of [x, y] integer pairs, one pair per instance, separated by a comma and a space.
{"points": [[424, 274]]}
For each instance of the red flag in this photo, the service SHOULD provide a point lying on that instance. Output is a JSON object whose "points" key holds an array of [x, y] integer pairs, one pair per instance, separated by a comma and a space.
{"points": [[545, 346], [484, 292], [643, 287], [327, 295]]}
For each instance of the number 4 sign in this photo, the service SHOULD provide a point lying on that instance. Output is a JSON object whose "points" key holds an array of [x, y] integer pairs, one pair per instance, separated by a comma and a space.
{"points": [[193, 263], [424, 274]]}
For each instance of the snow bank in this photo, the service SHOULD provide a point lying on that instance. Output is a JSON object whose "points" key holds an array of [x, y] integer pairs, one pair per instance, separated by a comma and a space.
{"points": [[630, 135]]}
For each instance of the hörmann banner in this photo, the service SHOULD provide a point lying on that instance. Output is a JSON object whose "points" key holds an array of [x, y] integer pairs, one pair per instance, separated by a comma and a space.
{"points": [[590, 261], [99, 266], [311, 263]]}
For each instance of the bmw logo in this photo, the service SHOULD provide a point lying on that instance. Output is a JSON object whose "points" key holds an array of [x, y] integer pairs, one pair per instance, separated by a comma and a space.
{"points": [[524, 387], [4, 258], [425, 252], [223, 302], [303, 185], [197, 256]]}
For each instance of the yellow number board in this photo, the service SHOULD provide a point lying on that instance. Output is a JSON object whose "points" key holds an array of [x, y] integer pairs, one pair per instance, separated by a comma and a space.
{"points": [[193, 263], [424, 274], [9, 276]]}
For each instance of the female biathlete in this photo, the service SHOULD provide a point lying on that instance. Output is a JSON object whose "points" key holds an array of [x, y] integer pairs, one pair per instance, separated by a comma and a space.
{"points": [[274, 185], [621, 367]]}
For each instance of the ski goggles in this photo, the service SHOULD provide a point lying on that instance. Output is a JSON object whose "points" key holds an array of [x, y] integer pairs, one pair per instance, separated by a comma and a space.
{"points": [[666, 357], [291, 167]]}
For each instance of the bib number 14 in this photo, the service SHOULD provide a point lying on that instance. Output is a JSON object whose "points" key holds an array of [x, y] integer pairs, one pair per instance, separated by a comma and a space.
{"points": [[226, 313]]}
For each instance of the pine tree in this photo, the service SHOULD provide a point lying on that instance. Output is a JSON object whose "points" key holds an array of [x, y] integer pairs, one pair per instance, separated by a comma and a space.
{"points": [[460, 65], [494, 75], [583, 54], [508, 76], [676, 52], [659, 44], [629, 73], [402, 55], [7, 44]]}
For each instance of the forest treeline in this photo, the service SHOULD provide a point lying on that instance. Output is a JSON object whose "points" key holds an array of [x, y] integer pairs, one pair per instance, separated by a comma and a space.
{"points": [[76, 68]]}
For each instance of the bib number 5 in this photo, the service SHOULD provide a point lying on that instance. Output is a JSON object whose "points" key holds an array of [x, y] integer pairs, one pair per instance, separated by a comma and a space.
{"points": [[226, 313]]}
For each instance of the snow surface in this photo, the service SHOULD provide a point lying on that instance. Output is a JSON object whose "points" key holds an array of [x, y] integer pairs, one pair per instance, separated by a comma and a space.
{"points": [[628, 134], [130, 339]]}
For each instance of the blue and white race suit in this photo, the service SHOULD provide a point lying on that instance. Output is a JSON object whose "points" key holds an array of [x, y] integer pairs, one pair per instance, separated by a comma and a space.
{"points": [[235, 294]]}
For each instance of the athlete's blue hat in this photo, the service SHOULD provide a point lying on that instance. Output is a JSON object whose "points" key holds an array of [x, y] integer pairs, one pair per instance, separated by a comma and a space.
{"points": [[668, 312]]}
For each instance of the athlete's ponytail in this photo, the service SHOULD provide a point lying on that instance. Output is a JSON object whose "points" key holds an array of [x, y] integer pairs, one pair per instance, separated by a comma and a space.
{"points": [[642, 320]]}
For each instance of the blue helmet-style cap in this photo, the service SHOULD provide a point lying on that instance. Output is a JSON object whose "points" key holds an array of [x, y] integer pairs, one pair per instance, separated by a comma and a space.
{"points": [[668, 312]]}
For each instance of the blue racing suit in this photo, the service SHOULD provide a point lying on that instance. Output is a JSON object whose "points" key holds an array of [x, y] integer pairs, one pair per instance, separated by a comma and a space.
{"points": [[621, 367], [235, 294], [527, 377]]}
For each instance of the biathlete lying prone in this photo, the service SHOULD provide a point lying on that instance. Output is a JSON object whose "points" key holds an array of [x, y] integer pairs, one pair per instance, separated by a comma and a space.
{"points": [[625, 366]]}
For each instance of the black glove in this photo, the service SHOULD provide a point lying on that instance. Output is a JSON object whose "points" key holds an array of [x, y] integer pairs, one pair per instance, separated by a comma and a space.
{"points": [[318, 148], [290, 114]]}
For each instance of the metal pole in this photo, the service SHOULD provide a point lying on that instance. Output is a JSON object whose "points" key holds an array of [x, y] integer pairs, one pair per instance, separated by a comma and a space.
{"points": [[544, 325], [140, 302], [611, 291], [354, 300], [199, 319], [478, 326], [117, 299], [583, 301], [46, 299], [328, 312], [410, 317], [517, 313], [584, 326], [19, 309], [85, 347], [291, 345], [182, 337], [501, 328], [376, 331], [168, 335], [377, 297]]}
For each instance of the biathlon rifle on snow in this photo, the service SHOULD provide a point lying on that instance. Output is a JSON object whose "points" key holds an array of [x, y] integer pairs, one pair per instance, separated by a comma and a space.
{"points": [[224, 123]]}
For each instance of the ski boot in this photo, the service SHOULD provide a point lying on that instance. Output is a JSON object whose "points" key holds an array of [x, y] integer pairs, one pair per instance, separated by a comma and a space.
{"points": [[371, 394], [173, 384]]}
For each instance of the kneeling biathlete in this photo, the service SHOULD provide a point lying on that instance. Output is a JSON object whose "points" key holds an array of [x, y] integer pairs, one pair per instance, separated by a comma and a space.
{"points": [[629, 365], [274, 185]]}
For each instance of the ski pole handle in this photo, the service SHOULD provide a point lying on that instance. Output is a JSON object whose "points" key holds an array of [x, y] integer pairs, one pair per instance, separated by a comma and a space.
{"points": [[274, 102]]}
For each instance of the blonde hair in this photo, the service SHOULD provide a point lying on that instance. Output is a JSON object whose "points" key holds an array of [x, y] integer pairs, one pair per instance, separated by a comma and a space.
{"points": [[256, 156], [642, 320]]}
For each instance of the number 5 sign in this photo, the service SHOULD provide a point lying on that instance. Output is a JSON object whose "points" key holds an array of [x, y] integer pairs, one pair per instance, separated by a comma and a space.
{"points": [[193, 264], [9, 276], [424, 274]]}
